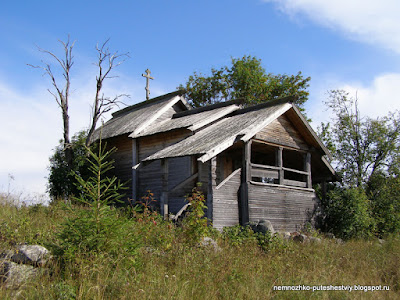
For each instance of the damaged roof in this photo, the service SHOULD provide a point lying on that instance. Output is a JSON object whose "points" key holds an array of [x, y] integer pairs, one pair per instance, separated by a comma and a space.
{"points": [[137, 117], [192, 120], [242, 124]]}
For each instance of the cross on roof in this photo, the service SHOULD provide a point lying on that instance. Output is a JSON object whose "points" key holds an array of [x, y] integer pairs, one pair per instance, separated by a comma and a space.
{"points": [[147, 75]]}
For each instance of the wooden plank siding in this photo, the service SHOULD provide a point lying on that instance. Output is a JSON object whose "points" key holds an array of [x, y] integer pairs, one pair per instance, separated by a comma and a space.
{"points": [[288, 209], [225, 201], [282, 132], [122, 160], [150, 174]]}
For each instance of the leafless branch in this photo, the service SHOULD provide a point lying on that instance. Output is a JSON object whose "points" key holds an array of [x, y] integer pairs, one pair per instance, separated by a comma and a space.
{"points": [[61, 94], [106, 62]]}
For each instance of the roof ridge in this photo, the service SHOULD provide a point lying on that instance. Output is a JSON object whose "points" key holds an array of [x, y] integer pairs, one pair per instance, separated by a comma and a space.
{"points": [[278, 101], [206, 108], [147, 102]]}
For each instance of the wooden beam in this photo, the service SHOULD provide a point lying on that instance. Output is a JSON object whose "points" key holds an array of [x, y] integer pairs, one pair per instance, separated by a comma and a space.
{"points": [[164, 194], [244, 188], [279, 164], [184, 183], [155, 116], [134, 170], [307, 168], [212, 184]]}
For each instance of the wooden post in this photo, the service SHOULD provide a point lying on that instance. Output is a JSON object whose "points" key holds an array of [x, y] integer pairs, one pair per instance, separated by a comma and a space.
{"points": [[135, 161], [307, 168], [212, 183], [164, 194], [244, 188], [279, 163]]}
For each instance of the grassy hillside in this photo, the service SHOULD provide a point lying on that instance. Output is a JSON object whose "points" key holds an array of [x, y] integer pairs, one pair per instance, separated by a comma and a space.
{"points": [[163, 262]]}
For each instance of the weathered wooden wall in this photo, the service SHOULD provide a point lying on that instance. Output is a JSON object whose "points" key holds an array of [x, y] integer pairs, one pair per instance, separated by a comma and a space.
{"points": [[179, 170], [282, 132], [122, 160], [225, 201], [288, 209], [150, 175]]}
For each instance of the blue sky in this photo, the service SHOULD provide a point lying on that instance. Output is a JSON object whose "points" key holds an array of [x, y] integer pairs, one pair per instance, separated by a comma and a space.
{"points": [[353, 45]]}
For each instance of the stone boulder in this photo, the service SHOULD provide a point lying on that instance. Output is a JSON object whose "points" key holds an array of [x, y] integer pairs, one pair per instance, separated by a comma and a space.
{"points": [[34, 255], [264, 226], [13, 275]]}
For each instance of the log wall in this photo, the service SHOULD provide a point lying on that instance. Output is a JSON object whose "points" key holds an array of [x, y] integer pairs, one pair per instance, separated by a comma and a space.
{"points": [[122, 160], [150, 175], [225, 201], [288, 209]]}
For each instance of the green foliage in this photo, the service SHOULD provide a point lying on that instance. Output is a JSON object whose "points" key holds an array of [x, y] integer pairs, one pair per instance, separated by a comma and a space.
{"points": [[242, 271], [62, 180], [245, 79], [238, 235], [366, 154], [360, 146], [347, 213], [385, 196], [194, 224], [99, 227]]}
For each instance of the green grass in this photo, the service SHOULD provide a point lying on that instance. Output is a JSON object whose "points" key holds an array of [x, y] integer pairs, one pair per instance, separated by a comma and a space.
{"points": [[166, 266]]}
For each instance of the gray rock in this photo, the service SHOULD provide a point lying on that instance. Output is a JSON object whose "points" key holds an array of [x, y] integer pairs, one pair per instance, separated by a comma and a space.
{"points": [[315, 240], [209, 242], [286, 235], [31, 254], [13, 275], [339, 241], [265, 226], [300, 238]]}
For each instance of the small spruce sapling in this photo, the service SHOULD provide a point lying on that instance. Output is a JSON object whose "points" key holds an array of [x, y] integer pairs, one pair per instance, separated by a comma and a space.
{"points": [[99, 227]]}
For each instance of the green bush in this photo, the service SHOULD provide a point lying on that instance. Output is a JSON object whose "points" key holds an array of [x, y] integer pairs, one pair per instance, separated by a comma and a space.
{"points": [[97, 227], [385, 200], [347, 214], [238, 235], [194, 224], [62, 181]]}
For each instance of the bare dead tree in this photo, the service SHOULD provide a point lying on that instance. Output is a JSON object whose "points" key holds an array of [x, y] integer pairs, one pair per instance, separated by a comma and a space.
{"points": [[106, 62], [60, 91]]}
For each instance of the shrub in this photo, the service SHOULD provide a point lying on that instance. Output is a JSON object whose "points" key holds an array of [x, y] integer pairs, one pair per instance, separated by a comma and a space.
{"points": [[346, 213], [385, 200], [194, 224], [62, 181], [97, 227]]}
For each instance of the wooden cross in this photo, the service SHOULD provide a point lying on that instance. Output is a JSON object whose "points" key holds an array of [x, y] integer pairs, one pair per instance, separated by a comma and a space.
{"points": [[147, 75]]}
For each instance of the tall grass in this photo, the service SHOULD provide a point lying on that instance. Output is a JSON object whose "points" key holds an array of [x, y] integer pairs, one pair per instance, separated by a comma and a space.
{"points": [[167, 267]]}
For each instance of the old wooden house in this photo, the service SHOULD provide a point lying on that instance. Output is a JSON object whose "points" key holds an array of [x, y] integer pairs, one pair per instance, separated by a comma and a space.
{"points": [[254, 163]]}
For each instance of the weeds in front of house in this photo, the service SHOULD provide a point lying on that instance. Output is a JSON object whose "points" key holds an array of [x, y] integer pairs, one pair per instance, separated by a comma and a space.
{"points": [[103, 252], [164, 265]]}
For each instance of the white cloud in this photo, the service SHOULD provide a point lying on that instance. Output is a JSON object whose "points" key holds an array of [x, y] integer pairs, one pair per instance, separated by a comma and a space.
{"points": [[371, 21], [376, 99]]}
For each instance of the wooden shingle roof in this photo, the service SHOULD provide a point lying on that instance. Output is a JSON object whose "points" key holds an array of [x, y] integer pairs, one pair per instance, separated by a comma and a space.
{"points": [[192, 120], [240, 125], [138, 117]]}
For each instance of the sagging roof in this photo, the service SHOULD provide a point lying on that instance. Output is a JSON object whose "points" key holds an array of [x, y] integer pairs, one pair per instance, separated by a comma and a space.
{"points": [[242, 124], [138, 117], [192, 120]]}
